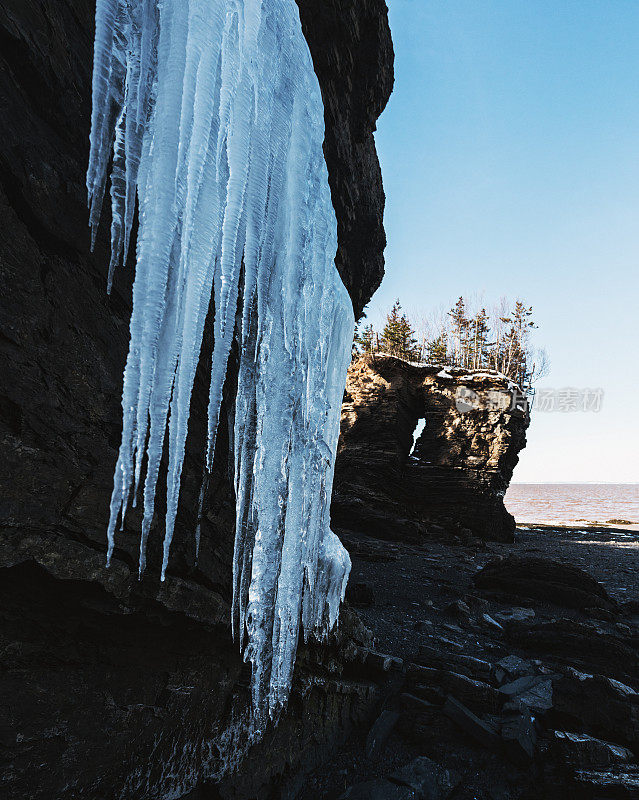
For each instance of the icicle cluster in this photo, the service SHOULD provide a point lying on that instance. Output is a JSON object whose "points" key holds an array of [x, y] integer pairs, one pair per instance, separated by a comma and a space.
{"points": [[213, 115]]}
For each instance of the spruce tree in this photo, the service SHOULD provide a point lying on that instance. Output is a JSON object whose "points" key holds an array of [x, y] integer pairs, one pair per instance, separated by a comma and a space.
{"points": [[514, 351], [356, 347], [478, 340], [459, 325], [437, 350], [368, 339], [398, 336]]}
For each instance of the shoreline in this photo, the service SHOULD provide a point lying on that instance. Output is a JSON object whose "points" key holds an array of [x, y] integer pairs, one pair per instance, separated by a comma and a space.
{"points": [[590, 527]]}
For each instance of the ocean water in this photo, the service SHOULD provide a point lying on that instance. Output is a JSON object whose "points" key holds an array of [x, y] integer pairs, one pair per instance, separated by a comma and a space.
{"points": [[573, 503]]}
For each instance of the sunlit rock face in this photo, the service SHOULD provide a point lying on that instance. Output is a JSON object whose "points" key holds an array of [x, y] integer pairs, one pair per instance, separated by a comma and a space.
{"points": [[452, 476], [132, 675]]}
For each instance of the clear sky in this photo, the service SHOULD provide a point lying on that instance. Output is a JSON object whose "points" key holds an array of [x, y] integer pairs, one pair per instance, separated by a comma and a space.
{"points": [[510, 155]]}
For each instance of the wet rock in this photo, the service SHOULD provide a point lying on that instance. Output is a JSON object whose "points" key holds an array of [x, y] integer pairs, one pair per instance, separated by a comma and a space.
{"points": [[600, 613], [587, 752], [429, 779], [483, 732], [545, 580]]}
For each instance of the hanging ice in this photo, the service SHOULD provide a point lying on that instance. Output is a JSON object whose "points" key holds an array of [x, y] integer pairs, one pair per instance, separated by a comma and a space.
{"points": [[213, 116]]}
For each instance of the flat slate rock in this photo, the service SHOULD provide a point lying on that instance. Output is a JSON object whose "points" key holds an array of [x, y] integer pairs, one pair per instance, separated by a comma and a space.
{"points": [[483, 733]]}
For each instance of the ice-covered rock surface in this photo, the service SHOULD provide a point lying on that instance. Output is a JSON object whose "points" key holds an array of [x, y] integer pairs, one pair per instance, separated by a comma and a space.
{"points": [[214, 119]]}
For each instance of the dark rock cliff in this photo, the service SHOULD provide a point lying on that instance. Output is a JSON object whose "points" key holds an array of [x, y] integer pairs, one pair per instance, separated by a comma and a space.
{"points": [[111, 687], [457, 474]]}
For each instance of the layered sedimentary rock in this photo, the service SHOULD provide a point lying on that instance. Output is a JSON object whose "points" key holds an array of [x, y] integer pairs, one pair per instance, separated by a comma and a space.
{"points": [[454, 476], [166, 707]]}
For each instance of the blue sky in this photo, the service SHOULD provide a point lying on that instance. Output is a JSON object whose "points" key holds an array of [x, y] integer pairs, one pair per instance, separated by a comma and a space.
{"points": [[510, 155]]}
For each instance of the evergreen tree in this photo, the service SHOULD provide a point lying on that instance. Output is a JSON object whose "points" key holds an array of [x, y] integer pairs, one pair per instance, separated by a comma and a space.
{"points": [[459, 325], [437, 349], [398, 336], [368, 339], [356, 347], [363, 341], [479, 345], [514, 351]]}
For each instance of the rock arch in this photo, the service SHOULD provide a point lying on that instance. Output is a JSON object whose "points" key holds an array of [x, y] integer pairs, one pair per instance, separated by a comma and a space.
{"points": [[463, 460]]}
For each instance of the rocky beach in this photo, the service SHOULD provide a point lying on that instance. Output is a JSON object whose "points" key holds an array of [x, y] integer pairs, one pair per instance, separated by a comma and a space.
{"points": [[512, 668]]}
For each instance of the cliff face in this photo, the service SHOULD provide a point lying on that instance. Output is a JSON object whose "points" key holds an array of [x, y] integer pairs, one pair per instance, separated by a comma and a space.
{"points": [[456, 475], [108, 684], [356, 77]]}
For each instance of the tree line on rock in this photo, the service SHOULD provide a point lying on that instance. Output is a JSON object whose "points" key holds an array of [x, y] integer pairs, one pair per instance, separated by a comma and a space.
{"points": [[464, 336]]}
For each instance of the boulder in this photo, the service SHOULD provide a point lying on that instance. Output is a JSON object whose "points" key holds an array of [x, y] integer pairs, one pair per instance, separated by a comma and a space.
{"points": [[544, 580]]}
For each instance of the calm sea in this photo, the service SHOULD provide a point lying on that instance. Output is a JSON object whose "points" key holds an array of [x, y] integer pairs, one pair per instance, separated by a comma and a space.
{"points": [[573, 503]]}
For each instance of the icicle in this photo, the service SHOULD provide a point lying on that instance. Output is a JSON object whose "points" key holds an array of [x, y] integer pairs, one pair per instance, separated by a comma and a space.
{"points": [[215, 120]]}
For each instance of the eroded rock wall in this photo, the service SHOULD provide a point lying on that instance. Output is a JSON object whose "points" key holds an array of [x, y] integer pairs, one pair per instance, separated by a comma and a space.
{"points": [[109, 684], [456, 475]]}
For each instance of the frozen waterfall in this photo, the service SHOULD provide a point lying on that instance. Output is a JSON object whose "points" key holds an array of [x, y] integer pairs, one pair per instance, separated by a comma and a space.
{"points": [[212, 114]]}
